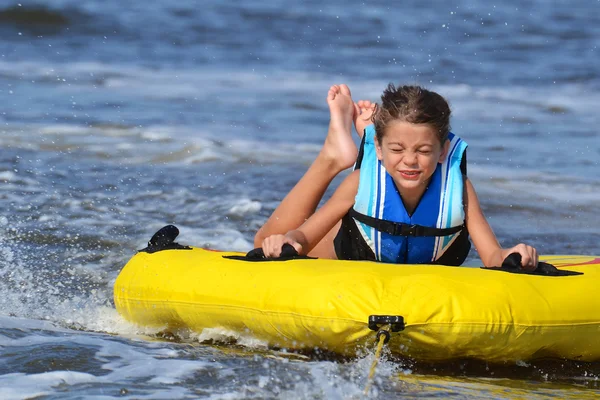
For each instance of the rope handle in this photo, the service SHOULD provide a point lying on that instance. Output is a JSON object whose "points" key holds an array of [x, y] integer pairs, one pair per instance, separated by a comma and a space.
{"points": [[383, 324]]}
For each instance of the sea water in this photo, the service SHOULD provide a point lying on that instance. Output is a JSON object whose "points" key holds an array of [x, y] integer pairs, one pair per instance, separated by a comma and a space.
{"points": [[120, 117]]}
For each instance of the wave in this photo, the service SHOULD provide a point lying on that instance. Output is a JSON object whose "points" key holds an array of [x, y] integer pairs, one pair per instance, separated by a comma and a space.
{"points": [[41, 20], [33, 16], [184, 83]]}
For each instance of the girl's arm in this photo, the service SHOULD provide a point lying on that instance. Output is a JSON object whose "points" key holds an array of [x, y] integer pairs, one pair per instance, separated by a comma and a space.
{"points": [[484, 239], [310, 233]]}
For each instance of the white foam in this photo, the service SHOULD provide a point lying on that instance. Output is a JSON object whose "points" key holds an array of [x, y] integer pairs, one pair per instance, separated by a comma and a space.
{"points": [[564, 189], [222, 335], [20, 386], [171, 83], [152, 144], [28, 324], [216, 237], [497, 103], [74, 298], [244, 207], [16, 177], [8, 176], [126, 362], [332, 380]]}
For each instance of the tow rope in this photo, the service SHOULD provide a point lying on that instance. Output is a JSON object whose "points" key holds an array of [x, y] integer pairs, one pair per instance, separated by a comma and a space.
{"points": [[383, 324]]}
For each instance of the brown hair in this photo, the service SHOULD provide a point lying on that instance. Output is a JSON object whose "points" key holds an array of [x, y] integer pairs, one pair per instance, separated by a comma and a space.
{"points": [[412, 104]]}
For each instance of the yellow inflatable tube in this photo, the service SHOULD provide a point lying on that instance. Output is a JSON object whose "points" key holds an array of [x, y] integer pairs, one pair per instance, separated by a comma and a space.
{"points": [[449, 312]]}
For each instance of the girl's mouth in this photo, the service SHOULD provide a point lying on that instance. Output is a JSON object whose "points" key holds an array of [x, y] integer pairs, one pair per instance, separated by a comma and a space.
{"points": [[410, 175]]}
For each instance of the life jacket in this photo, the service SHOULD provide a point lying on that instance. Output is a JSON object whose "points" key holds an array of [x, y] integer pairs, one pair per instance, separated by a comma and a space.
{"points": [[434, 233]]}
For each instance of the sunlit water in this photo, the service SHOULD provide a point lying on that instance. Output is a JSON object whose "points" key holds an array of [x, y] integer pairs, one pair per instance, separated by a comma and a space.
{"points": [[120, 117]]}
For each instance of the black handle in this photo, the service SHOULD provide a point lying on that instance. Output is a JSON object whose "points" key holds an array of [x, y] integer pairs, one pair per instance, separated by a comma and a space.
{"points": [[287, 251], [512, 264]]}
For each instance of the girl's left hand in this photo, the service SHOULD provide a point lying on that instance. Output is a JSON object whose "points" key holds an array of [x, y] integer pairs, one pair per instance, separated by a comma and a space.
{"points": [[529, 255]]}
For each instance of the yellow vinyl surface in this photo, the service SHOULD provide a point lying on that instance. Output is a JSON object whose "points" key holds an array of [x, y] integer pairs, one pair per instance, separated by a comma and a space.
{"points": [[450, 312]]}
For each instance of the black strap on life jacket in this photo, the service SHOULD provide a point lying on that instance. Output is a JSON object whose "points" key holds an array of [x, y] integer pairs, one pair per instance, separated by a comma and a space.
{"points": [[400, 229]]}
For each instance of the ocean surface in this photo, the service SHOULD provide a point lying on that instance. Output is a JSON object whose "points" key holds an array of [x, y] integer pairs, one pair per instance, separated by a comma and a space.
{"points": [[119, 117]]}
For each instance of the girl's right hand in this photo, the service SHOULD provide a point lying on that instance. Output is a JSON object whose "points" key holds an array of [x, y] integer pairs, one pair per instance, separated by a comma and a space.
{"points": [[271, 246], [529, 255]]}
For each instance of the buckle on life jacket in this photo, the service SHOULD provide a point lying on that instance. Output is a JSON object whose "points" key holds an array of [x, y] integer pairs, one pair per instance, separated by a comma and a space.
{"points": [[406, 230]]}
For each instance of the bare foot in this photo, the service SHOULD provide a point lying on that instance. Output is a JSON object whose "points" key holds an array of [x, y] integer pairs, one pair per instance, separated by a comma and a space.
{"points": [[339, 147], [364, 116]]}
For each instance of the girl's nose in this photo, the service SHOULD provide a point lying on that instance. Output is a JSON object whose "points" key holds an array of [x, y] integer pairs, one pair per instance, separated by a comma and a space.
{"points": [[410, 158]]}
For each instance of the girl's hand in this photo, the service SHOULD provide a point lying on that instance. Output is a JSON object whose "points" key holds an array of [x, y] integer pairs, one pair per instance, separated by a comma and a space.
{"points": [[529, 255], [272, 245]]}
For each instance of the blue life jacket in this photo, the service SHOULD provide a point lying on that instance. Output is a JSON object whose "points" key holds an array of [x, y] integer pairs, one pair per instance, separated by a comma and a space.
{"points": [[390, 232]]}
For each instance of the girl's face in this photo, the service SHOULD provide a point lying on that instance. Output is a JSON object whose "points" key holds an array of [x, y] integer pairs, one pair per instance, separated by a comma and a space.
{"points": [[410, 153]]}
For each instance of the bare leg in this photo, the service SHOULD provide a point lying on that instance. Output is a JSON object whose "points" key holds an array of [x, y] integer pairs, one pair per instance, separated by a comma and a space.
{"points": [[325, 248], [364, 116], [338, 153]]}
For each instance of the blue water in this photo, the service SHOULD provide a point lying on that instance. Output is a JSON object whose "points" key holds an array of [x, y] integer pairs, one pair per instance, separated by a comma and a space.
{"points": [[120, 117]]}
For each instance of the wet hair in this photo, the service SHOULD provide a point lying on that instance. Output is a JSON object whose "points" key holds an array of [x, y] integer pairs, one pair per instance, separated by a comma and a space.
{"points": [[412, 104]]}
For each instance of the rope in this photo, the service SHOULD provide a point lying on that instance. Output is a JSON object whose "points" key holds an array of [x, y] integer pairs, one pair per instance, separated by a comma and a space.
{"points": [[383, 336]]}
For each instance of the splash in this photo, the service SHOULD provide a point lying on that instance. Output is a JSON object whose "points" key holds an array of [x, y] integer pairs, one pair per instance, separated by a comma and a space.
{"points": [[32, 286]]}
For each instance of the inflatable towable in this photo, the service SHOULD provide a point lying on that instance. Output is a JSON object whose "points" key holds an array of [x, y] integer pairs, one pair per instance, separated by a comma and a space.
{"points": [[438, 312]]}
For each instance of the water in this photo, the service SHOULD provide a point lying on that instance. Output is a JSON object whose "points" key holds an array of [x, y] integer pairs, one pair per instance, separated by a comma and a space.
{"points": [[120, 117]]}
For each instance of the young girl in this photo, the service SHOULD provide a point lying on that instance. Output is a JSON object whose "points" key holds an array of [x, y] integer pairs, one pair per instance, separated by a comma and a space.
{"points": [[408, 199]]}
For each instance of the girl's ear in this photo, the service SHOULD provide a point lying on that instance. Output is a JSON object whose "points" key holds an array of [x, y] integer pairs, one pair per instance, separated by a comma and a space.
{"points": [[378, 150], [445, 149]]}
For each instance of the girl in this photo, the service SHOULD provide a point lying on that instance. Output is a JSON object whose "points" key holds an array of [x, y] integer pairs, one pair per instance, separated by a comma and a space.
{"points": [[408, 199]]}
